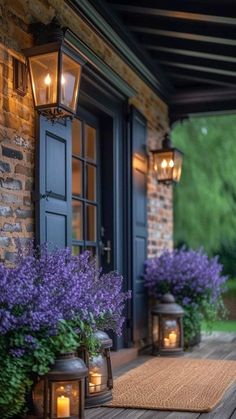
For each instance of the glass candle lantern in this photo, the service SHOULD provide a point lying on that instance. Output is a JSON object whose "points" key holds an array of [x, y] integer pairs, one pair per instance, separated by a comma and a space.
{"points": [[99, 382], [167, 327], [60, 393], [167, 162], [55, 72]]}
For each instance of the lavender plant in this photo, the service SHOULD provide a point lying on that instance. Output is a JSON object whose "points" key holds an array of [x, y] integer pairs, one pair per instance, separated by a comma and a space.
{"points": [[195, 280], [50, 302]]}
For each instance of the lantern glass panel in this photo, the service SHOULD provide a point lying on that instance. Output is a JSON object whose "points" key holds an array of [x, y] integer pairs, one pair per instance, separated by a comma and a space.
{"points": [[171, 333], [155, 329], [98, 374], [178, 159], [164, 165], [70, 77], [43, 69], [65, 399]]}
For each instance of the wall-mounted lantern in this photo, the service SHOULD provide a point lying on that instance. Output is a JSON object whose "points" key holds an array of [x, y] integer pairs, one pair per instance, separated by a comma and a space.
{"points": [[55, 72], [167, 327], [60, 393], [167, 162], [99, 382]]}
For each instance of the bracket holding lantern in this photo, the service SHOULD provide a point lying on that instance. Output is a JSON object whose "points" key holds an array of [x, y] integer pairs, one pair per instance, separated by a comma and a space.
{"points": [[167, 162], [55, 71]]}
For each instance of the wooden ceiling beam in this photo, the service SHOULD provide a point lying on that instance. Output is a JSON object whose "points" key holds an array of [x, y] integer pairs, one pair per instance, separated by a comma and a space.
{"points": [[175, 14], [182, 35], [211, 8], [153, 41], [199, 77], [188, 53], [220, 67], [210, 30]]}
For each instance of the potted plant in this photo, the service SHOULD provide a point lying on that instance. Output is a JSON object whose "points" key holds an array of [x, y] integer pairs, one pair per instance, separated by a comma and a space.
{"points": [[51, 302], [195, 280]]}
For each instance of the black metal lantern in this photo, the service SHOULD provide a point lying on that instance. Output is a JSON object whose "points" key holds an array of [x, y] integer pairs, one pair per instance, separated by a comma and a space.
{"points": [[60, 393], [55, 72], [167, 327], [167, 162], [99, 382]]}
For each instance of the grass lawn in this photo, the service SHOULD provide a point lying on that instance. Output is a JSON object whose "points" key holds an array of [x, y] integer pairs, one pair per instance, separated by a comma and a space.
{"points": [[221, 326]]}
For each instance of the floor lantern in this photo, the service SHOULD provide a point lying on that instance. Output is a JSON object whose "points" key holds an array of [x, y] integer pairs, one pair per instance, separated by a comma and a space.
{"points": [[167, 327], [99, 382], [61, 392]]}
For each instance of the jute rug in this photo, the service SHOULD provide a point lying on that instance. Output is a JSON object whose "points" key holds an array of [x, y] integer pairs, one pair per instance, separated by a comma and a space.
{"points": [[174, 384]]}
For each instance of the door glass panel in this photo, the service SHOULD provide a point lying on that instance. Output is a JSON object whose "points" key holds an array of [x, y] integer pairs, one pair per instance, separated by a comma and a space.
{"points": [[76, 177], [90, 142], [91, 182], [91, 223], [77, 250], [77, 220], [77, 137]]}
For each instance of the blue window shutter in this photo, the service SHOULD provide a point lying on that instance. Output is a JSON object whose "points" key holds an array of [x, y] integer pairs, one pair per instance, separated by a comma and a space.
{"points": [[138, 126], [53, 183]]}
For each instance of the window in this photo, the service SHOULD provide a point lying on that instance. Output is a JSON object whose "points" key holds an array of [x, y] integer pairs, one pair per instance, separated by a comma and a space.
{"points": [[84, 187]]}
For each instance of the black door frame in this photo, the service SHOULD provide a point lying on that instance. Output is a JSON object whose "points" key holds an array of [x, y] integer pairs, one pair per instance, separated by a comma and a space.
{"points": [[101, 99]]}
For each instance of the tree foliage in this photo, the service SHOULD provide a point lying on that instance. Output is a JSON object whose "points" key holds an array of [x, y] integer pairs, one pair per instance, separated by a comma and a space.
{"points": [[205, 199]]}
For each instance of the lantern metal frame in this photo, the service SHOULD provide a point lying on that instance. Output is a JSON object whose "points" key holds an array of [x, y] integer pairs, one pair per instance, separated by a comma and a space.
{"points": [[165, 311], [99, 398], [167, 148], [67, 368], [52, 39]]}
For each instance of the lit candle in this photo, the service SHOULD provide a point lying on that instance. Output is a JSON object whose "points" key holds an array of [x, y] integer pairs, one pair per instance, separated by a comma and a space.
{"points": [[173, 338], [63, 407], [91, 388], [48, 82], [96, 380], [166, 342]]}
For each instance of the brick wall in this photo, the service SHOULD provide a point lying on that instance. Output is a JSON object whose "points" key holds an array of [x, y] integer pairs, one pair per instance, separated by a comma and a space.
{"points": [[17, 125]]}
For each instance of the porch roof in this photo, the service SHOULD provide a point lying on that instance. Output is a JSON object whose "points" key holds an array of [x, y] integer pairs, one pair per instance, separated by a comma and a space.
{"points": [[188, 48]]}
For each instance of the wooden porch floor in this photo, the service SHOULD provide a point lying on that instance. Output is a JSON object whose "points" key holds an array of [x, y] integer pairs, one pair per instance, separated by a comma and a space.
{"points": [[216, 346]]}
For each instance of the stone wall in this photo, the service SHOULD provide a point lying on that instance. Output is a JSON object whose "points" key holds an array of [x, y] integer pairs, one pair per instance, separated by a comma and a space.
{"points": [[17, 125]]}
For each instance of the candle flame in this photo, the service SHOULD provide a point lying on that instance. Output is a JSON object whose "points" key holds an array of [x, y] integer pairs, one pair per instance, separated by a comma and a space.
{"points": [[63, 80], [171, 163], [48, 80], [164, 164]]}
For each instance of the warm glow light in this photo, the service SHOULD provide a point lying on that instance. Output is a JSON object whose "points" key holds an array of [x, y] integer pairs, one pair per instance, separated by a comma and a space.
{"points": [[171, 163], [63, 80], [173, 338], [63, 407], [48, 80], [164, 164]]}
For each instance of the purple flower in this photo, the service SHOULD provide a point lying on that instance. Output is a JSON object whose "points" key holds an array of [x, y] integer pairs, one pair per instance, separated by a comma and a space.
{"points": [[50, 286], [190, 275]]}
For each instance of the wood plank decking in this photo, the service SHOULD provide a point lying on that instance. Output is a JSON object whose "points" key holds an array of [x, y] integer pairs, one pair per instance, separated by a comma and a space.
{"points": [[216, 346]]}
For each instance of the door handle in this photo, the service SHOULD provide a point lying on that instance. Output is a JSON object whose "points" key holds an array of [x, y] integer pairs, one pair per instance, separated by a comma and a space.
{"points": [[107, 249]]}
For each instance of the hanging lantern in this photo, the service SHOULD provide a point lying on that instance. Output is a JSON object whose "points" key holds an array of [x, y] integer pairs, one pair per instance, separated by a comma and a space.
{"points": [[167, 162], [99, 382], [60, 393], [167, 327], [55, 72]]}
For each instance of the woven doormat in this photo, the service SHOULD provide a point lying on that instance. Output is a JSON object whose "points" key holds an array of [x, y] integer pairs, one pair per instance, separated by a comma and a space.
{"points": [[174, 384]]}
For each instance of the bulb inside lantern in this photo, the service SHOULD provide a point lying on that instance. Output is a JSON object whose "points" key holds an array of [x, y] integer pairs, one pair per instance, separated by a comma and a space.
{"points": [[48, 80], [164, 164], [171, 163]]}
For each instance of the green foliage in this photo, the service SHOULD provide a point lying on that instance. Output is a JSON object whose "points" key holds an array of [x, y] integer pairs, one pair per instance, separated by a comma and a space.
{"points": [[221, 326], [205, 199], [17, 373]]}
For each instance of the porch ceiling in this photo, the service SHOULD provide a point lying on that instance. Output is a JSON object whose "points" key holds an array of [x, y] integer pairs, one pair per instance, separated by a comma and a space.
{"points": [[190, 44]]}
